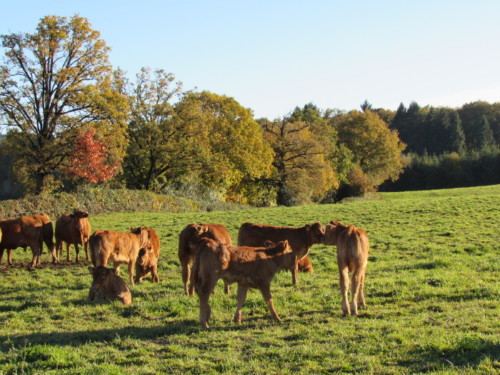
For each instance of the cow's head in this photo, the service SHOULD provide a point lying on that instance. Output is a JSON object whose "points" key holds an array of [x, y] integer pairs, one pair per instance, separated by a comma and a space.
{"points": [[332, 231], [78, 217], [316, 232], [146, 256], [101, 274]]}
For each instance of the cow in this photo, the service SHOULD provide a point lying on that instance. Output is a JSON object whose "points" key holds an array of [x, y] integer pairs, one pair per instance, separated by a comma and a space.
{"points": [[300, 239], [250, 267], [48, 235], [108, 286], [305, 265], [188, 245], [22, 232], [352, 256], [73, 229], [147, 260], [119, 247]]}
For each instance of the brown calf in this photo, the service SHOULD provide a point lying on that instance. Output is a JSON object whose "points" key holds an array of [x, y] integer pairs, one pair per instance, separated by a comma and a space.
{"points": [[249, 267], [188, 245], [147, 260], [119, 247], [300, 239], [352, 256], [22, 232], [74, 229], [108, 286]]}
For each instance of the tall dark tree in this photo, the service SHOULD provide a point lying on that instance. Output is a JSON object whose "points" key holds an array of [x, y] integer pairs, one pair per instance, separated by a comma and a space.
{"points": [[53, 82]]}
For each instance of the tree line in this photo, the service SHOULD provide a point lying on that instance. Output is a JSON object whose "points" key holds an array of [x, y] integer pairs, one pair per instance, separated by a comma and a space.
{"points": [[72, 119]]}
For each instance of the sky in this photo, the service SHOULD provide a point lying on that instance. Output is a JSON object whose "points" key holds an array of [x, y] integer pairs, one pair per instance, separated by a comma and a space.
{"points": [[272, 56]]}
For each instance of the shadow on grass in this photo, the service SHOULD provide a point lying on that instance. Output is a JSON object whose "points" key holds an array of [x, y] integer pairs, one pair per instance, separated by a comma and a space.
{"points": [[468, 352], [77, 338]]}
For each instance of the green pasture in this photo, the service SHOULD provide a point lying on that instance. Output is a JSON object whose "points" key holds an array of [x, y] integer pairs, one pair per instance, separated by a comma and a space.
{"points": [[432, 289]]}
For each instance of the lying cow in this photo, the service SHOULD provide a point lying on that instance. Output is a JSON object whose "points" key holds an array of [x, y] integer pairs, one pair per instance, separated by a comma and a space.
{"points": [[73, 229], [300, 239], [147, 260], [22, 232], [188, 244], [352, 256], [249, 267], [119, 247], [108, 286]]}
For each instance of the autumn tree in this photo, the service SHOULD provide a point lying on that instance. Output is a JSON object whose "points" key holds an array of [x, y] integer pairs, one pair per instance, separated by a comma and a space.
{"points": [[157, 151], [226, 148], [302, 143], [374, 149], [53, 82], [89, 158]]}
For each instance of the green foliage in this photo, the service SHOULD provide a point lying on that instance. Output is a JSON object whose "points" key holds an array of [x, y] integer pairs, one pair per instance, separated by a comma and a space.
{"points": [[432, 292]]}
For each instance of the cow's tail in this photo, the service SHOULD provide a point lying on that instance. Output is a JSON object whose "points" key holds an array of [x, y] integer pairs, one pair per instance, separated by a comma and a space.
{"points": [[358, 246], [96, 246], [194, 277]]}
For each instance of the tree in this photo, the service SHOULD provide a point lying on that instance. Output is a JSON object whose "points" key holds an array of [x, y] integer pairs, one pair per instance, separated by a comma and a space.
{"points": [[225, 143], [375, 149], [53, 82], [157, 152], [89, 158], [302, 143]]}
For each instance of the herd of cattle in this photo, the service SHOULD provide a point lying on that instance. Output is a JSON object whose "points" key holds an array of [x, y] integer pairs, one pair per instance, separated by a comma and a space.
{"points": [[261, 251]]}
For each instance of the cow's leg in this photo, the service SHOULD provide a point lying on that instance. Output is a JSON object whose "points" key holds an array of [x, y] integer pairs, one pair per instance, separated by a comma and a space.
{"points": [[155, 278], [35, 250], [344, 289], [9, 256], [131, 268], [266, 293], [53, 251], [226, 288], [186, 274], [241, 297], [68, 256], [77, 250], [204, 288], [355, 287], [295, 271], [2, 249], [361, 297], [86, 248]]}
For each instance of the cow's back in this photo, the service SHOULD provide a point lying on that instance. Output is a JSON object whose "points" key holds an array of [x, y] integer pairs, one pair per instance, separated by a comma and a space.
{"points": [[257, 234]]}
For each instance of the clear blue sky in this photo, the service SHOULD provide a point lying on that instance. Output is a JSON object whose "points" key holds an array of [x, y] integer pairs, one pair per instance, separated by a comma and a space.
{"points": [[272, 56]]}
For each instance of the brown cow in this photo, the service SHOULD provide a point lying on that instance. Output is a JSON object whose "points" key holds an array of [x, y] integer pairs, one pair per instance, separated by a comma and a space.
{"points": [[147, 260], [305, 265], [248, 266], [119, 247], [48, 235], [352, 256], [108, 286], [74, 229], [22, 232], [188, 245], [301, 239]]}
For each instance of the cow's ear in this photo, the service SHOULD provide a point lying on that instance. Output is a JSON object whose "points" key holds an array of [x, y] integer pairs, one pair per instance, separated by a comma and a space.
{"points": [[91, 269], [308, 226], [85, 214], [72, 215]]}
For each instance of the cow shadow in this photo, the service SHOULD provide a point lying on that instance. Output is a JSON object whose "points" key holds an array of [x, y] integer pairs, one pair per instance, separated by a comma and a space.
{"points": [[78, 338]]}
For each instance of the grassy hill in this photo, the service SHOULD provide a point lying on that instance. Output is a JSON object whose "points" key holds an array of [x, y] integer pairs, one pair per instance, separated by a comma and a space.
{"points": [[432, 291]]}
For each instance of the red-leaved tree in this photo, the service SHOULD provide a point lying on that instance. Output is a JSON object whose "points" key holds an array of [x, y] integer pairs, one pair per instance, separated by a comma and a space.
{"points": [[89, 159]]}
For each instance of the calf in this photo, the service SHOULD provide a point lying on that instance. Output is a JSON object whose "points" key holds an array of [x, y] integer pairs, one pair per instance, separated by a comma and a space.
{"points": [[119, 247], [305, 265], [249, 267], [188, 244], [22, 232], [108, 286], [352, 256], [147, 260], [300, 239], [74, 229]]}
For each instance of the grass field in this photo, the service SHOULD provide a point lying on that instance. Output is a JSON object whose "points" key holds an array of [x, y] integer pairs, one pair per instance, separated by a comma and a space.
{"points": [[432, 290]]}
